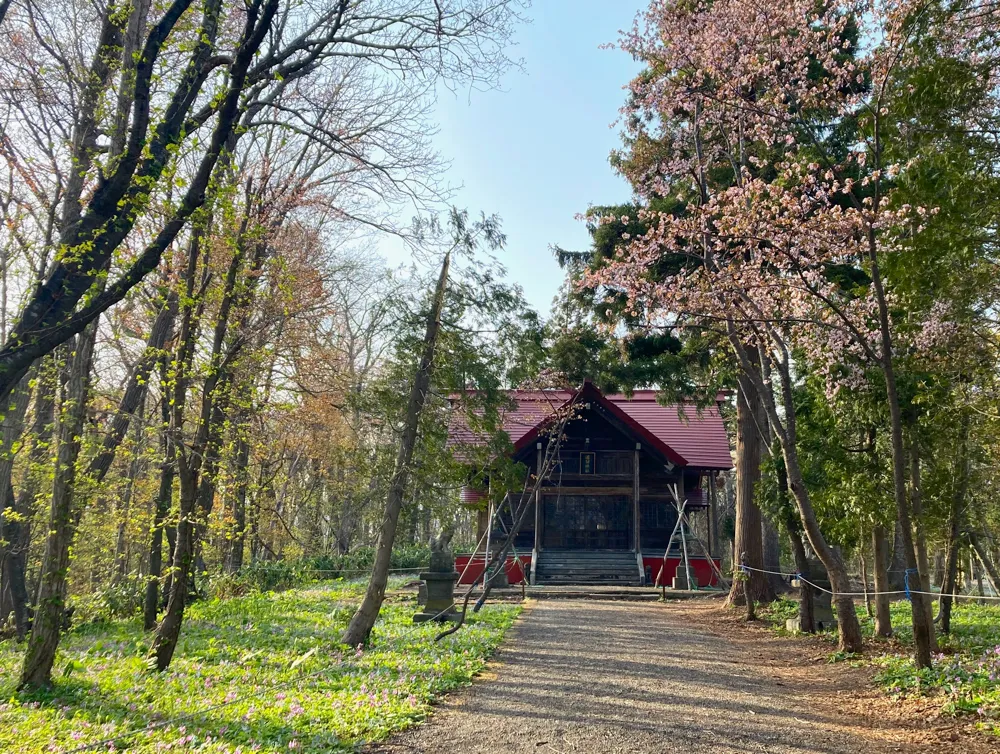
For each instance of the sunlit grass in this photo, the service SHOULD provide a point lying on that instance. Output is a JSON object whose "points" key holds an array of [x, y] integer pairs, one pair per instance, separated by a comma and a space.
{"points": [[258, 673]]}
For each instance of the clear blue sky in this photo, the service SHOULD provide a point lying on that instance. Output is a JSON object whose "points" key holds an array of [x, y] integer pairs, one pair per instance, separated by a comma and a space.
{"points": [[536, 152]]}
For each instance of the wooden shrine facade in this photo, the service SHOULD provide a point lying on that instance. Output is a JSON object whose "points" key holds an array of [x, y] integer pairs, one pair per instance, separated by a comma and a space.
{"points": [[611, 485]]}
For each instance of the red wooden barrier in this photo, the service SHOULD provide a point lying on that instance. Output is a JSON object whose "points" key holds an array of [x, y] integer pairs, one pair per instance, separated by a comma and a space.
{"points": [[516, 569], [474, 572], [700, 569]]}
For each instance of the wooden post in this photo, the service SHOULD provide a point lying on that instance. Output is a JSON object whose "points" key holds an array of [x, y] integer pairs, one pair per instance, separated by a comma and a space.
{"points": [[538, 514], [661, 579], [713, 517], [636, 517], [489, 534], [683, 499], [687, 561], [636, 542], [751, 612]]}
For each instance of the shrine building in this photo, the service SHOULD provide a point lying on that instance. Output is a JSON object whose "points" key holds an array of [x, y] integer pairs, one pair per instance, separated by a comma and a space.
{"points": [[606, 510]]}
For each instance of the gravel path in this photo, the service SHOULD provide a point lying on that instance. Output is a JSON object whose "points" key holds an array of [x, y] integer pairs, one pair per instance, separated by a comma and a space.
{"points": [[601, 677]]}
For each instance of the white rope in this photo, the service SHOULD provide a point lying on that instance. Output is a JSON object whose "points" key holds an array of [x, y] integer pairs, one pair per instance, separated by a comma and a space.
{"points": [[362, 571], [870, 594]]}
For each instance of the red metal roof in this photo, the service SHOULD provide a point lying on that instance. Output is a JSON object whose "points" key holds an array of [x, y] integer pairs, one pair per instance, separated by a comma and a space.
{"points": [[698, 435], [685, 434]]}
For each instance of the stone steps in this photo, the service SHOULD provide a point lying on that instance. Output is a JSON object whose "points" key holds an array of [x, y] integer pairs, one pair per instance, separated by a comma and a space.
{"points": [[586, 568]]}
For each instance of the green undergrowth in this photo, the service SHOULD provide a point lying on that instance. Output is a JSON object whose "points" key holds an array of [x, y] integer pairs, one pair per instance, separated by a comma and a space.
{"points": [[262, 673], [124, 598], [965, 674], [966, 671]]}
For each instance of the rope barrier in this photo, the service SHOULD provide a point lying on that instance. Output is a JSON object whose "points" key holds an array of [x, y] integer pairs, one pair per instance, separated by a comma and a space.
{"points": [[358, 571], [907, 590], [363, 571]]}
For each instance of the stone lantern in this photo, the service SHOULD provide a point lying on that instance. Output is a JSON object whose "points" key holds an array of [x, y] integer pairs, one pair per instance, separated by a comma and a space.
{"points": [[439, 582]]}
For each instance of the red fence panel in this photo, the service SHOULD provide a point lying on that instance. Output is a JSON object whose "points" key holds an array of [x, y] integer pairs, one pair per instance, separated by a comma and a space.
{"points": [[700, 569], [471, 572]]}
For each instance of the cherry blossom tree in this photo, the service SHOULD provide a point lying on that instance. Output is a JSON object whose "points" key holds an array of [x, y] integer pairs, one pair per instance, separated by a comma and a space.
{"points": [[770, 125]]}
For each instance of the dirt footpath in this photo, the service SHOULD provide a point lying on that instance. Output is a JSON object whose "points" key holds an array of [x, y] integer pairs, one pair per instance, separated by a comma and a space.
{"points": [[648, 678]]}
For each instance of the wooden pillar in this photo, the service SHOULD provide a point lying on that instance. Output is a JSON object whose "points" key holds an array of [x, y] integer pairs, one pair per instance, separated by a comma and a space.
{"points": [[489, 534], [636, 530], [538, 515], [481, 523], [636, 517], [680, 491], [713, 517]]}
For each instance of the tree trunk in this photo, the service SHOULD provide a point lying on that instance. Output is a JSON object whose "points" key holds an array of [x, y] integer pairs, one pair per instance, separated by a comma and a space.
{"points": [[897, 565], [748, 597], [923, 625], [977, 575], [883, 617], [920, 565], [950, 583], [138, 386], [219, 386], [253, 514], [161, 509], [48, 621], [13, 520], [134, 470], [793, 527], [807, 608], [750, 422], [864, 579], [937, 570], [361, 624], [169, 630], [847, 619], [984, 558], [42, 437], [170, 530], [849, 628], [238, 543], [188, 460], [772, 554]]}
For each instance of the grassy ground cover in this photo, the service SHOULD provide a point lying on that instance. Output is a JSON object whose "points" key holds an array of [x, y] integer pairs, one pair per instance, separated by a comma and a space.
{"points": [[966, 671], [261, 673]]}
